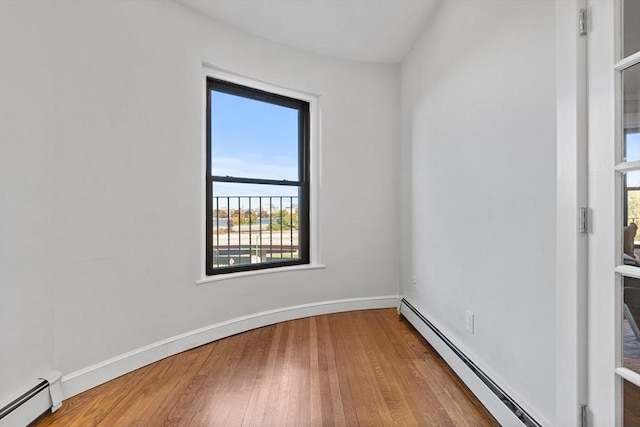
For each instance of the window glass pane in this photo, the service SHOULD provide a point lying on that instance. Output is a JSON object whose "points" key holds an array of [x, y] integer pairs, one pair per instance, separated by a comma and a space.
{"points": [[631, 112], [630, 27], [631, 218], [631, 324], [234, 189], [632, 144], [633, 212], [253, 139], [254, 224]]}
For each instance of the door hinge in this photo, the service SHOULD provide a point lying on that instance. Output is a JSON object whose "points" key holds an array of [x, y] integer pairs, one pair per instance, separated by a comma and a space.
{"points": [[583, 415], [582, 22], [584, 220]]}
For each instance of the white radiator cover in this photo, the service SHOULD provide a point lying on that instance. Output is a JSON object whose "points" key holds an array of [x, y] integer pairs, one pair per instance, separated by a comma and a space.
{"points": [[49, 398]]}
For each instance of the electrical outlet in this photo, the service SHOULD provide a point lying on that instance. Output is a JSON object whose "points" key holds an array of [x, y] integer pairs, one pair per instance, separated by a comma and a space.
{"points": [[414, 282], [470, 321]]}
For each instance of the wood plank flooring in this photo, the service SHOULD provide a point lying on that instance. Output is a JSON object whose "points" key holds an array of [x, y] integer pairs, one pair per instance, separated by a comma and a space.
{"points": [[361, 368], [631, 405]]}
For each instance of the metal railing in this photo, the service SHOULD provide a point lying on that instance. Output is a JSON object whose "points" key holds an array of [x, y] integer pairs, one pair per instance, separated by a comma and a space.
{"points": [[254, 229]]}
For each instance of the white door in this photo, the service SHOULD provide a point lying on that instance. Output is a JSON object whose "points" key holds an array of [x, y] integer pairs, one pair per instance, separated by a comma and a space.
{"points": [[613, 67]]}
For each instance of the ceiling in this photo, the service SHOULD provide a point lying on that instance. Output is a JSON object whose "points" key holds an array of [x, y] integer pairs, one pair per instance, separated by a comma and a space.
{"points": [[379, 31]]}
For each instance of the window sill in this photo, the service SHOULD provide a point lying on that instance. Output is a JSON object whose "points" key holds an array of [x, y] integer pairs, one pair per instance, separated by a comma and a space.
{"points": [[220, 277]]}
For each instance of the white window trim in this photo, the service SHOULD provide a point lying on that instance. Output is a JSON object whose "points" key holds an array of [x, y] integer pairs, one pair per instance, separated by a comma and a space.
{"points": [[315, 178]]}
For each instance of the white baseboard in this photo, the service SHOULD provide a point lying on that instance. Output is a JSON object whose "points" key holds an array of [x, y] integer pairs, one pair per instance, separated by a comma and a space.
{"points": [[97, 374], [495, 406]]}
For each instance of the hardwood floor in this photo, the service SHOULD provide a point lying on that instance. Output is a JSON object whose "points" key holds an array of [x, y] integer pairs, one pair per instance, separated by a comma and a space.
{"points": [[362, 368], [631, 405]]}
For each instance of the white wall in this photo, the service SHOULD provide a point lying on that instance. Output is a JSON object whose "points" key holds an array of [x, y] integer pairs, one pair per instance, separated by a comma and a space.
{"points": [[101, 180], [479, 132], [26, 192]]}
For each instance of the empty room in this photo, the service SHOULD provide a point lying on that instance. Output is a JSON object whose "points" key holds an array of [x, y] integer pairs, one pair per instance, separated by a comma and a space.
{"points": [[319, 212]]}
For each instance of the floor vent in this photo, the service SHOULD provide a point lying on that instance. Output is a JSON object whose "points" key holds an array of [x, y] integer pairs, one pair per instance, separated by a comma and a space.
{"points": [[511, 404]]}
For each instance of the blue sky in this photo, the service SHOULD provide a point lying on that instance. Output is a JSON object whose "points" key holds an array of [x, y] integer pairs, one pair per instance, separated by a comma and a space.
{"points": [[253, 139], [633, 146], [633, 154]]}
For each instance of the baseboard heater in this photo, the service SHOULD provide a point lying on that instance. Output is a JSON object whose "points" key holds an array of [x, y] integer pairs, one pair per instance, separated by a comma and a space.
{"points": [[45, 395], [511, 404]]}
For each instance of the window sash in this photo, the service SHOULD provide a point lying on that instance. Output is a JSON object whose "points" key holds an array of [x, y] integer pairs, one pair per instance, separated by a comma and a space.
{"points": [[216, 85]]}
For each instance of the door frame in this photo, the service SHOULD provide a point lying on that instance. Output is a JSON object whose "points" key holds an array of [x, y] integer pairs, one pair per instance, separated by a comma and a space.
{"points": [[572, 195]]}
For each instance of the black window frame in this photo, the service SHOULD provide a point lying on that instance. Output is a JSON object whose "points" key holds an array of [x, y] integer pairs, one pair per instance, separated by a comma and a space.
{"points": [[303, 182]]}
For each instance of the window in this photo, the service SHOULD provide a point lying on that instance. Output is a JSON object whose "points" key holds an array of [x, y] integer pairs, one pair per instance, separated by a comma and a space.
{"points": [[257, 179], [630, 139]]}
